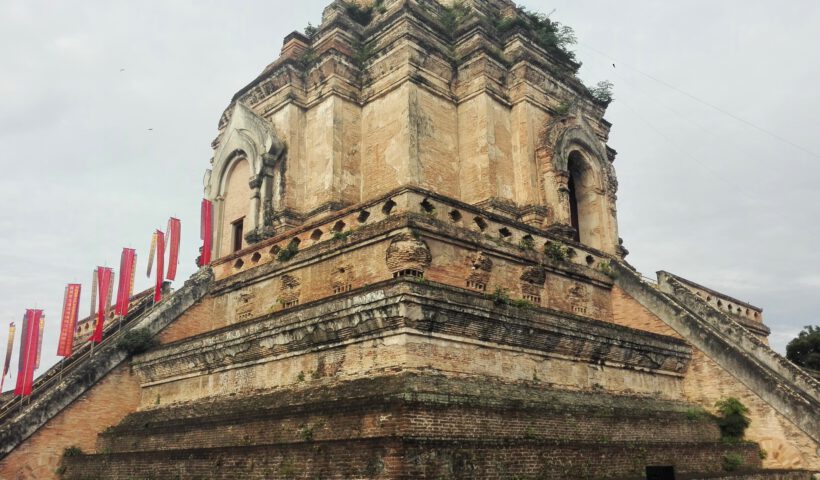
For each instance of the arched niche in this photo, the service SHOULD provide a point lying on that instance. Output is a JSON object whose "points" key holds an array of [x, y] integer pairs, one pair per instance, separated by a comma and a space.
{"points": [[247, 173], [235, 193], [586, 188]]}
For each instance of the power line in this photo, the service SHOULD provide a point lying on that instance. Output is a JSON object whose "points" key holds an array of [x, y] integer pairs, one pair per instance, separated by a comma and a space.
{"points": [[686, 153], [656, 101], [704, 102]]}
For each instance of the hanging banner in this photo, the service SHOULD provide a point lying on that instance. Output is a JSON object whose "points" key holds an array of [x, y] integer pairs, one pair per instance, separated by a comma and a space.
{"points": [[160, 265], [93, 293], [133, 273], [151, 252], [103, 281], [68, 323], [7, 362], [28, 349], [174, 229], [127, 263], [21, 351], [109, 305], [206, 232], [40, 341]]}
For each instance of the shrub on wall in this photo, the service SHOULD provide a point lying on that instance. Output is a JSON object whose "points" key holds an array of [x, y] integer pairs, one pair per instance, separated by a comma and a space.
{"points": [[733, 418]]}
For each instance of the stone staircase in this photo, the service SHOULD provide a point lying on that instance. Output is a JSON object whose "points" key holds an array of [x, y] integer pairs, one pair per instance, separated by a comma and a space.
{"points": [[789, 390], [53, 391]]}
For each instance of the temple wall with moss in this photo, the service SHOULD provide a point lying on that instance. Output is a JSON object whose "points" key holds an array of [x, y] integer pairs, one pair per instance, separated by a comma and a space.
{"points": [[417, 274]]}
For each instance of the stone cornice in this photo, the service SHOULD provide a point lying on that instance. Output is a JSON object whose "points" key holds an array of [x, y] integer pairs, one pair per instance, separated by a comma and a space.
{"points": [[402, 307]]}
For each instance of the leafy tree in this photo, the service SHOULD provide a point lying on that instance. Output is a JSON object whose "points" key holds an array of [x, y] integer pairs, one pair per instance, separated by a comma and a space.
{"points": [[805, 349]]}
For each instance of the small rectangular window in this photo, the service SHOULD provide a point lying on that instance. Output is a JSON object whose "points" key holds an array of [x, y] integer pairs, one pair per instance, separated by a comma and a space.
{"points": [[237, 234]]}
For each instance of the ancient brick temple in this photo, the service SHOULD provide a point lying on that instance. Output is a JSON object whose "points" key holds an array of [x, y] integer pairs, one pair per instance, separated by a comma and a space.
{"points": [[418, 274]]}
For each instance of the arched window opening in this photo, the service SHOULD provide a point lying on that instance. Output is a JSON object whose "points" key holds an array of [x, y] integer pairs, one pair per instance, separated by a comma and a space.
{"points": [[573, 209], [585, 203]]}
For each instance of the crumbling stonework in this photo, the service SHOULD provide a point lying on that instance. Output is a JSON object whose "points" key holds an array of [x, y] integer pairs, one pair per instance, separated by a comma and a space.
{"points": [[417, 274]]}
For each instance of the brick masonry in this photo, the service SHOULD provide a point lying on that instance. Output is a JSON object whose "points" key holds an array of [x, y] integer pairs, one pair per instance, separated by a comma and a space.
{"points": [[98, 408]]}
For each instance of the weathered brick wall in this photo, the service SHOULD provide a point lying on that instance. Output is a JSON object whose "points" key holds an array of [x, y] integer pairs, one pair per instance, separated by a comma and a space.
{"points": [[786, 445], [197, 319], [628, 312], [102, 406], [425, 426], [409, 459]]}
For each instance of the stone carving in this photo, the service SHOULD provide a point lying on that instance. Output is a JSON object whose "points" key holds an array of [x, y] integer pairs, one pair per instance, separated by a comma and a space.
{"points": [[289, 295], [341, 278], [535, 275], [480, 266], [408, 253], [250, 137], [244, 305]]}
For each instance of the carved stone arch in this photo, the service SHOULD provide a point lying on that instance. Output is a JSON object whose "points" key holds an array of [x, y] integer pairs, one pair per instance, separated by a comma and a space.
{"points": [[247, 136], [581, 138], [586, 187]]}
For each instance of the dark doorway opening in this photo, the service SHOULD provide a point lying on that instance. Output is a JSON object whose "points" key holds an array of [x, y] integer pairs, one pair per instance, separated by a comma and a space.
{"points": [[660, 473], [573, 209]]}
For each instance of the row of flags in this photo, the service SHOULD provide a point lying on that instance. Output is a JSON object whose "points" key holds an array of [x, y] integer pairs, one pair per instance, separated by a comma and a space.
{"points": [[102, 289]]}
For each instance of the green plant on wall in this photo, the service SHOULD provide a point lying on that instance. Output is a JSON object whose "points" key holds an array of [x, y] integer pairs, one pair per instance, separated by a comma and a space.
{"points": [[288, 252], [72, 451], [454, 16], [556, 252], [606, 269], [548, 34], [733, 418], [732, 462], [500, 296], [602, 91], [527, 243]]}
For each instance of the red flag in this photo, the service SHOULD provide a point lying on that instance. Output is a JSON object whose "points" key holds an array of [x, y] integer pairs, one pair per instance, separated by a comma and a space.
{"points": [[174, 230], [206, 232], [7, 363], [28, 351], [40, 341], [21, 353], [160, 265], [103, 281], [71, 307], [127, 264], [133, 273]]}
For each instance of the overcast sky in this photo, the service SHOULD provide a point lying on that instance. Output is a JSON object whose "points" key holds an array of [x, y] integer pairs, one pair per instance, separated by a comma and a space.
{"points": [[108, 109]]}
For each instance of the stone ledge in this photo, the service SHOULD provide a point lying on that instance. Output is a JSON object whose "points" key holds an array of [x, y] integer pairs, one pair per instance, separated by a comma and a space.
{"points": [[405, 307]]}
